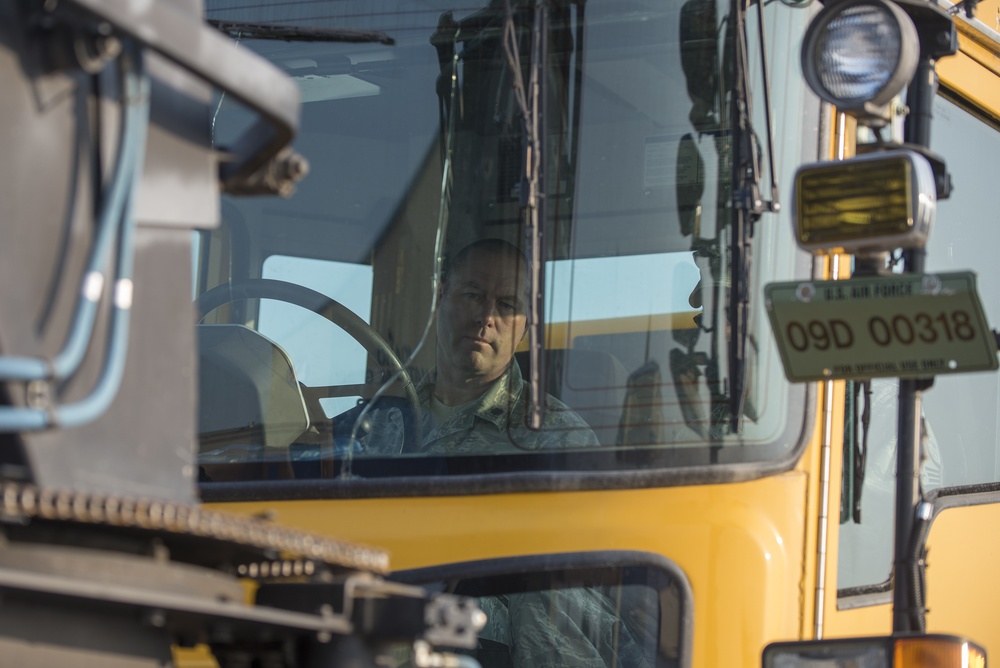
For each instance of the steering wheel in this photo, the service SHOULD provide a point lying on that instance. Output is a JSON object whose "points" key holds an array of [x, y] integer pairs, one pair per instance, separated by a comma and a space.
{"points": [[347, 320]]}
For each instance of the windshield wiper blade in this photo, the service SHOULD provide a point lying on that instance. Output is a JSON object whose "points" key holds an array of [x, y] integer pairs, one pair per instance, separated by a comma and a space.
{"points": [[748, 205], [534, 201], [530, 101], [293, 33]]}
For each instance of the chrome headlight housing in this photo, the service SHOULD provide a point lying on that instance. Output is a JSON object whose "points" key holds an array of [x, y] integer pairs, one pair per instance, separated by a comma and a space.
{"points": [[872, 202], [859, 54]]}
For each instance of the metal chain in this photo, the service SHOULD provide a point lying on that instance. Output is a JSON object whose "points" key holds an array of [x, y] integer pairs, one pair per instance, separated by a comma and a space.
{"points": [[26, 502]]}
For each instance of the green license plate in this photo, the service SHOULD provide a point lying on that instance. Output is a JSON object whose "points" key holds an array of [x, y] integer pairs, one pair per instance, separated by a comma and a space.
{"points": [[909, 326]]}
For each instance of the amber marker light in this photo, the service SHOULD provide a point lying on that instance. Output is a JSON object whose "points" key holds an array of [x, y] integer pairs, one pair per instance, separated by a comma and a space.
{"points": [[943, 651], [916, 651], [872, 202]]}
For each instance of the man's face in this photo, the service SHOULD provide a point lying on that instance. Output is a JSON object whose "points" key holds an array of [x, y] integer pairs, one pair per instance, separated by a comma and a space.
{"points": [[481, 317]]}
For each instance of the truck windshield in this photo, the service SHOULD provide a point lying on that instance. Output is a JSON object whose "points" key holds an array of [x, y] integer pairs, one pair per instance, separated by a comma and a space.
{"points": [[515, 251]]}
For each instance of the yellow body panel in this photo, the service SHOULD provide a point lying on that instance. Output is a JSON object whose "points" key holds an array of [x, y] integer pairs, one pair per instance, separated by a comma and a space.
{"points": [[963, 577], [963, 583], [740, 545], [751, 551], [972, 73], [199, 656]]}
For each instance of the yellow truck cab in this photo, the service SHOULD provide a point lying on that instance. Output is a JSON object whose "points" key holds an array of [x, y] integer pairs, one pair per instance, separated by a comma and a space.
{"points": [[605, 333]]}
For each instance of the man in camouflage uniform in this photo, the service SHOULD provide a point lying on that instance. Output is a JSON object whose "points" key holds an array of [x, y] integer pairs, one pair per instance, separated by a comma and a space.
{"points": [[476, 401]]}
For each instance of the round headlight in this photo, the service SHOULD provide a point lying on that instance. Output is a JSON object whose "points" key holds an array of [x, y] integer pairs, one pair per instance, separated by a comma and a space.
{"points": [[858, 54]]}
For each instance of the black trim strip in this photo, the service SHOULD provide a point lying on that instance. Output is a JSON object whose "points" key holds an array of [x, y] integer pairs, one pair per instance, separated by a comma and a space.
{"points": [[654, 564], [466, 484]]}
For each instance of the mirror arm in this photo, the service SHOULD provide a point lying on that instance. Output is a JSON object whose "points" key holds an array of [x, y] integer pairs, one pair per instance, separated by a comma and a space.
{"points": [[774, 205]]}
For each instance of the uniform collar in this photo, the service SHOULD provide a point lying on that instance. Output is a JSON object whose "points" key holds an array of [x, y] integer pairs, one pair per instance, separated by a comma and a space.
{"points": [[495, 405]]}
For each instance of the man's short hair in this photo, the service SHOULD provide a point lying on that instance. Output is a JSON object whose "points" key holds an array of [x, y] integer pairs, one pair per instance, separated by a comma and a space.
{"points": [[496, 246]]}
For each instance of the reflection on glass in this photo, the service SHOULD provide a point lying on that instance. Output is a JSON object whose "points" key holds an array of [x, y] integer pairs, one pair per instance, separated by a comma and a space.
{"points": [[616, 626], [418, 141], [321, 352], [610, 617], [962, 409], [960, 442]]}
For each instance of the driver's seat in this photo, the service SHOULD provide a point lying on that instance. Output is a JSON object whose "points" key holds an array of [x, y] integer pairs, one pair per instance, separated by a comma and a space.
{"points": [[249, 400]]}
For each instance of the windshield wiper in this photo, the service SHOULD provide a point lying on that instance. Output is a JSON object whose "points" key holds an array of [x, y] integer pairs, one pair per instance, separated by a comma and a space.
{"points": [[534, 203], [748, 204], [291, 33], [531, 103]]}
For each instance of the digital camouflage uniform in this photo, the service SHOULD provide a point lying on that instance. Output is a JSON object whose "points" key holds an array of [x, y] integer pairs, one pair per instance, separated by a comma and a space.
{"points": [[534, 629], [496, 423]]}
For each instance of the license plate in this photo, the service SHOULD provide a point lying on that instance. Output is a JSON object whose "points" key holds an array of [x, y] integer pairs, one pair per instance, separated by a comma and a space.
{"points": [[908, 326]]}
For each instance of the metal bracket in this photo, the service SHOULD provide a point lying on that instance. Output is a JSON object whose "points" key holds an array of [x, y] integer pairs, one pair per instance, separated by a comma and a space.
{"points": [[183, 39]]}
